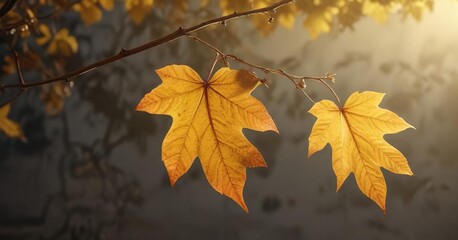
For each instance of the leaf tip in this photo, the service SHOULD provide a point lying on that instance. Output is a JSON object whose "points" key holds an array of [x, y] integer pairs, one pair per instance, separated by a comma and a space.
{"points": [[381, 205], [275, 129], [140, 106], [339, 185], [313, 148], [244, 207], [410, 173], [270, 125], [406, 124], [172, 182], [239, 200]]}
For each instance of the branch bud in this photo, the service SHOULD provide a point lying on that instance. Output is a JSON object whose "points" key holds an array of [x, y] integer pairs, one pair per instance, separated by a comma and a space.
{"points": [[302, 84]]}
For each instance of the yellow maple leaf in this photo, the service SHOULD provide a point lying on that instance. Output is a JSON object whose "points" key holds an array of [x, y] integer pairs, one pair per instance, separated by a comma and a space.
{"points": [[62, 43], [355, 133], [10, 128], [138, 9], [208, 117]]}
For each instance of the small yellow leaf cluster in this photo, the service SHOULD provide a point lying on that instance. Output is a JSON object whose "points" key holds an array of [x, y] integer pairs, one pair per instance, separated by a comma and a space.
{"points": [[90, 10], [13, 17], [138, 9], [321, 14], [9, 127], [62, 43]]}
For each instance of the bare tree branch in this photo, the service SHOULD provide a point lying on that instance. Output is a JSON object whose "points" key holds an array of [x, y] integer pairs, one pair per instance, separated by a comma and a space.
{"points": [[180, 32]]}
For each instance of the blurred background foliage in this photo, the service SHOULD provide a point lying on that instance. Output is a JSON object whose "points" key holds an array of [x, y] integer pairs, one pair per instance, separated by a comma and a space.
{"points": [[87, 166]]}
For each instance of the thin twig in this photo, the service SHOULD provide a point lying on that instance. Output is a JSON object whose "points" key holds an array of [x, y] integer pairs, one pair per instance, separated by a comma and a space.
{"points": [[19, 74], [280, 72], [32, 65], [292, 78], [306, 94], [217, 58], [18, 65], [332, 91], [7, 6], [221, 54]]}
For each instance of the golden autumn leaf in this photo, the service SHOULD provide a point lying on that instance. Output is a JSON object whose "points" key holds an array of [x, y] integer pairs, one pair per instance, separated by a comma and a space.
{"points": [[138, 9], [45, 34], [317, 23], [208, 117], [62, 43], [355, 134], [10, 128], [90, 11], [320, 21], [287, 16]]}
